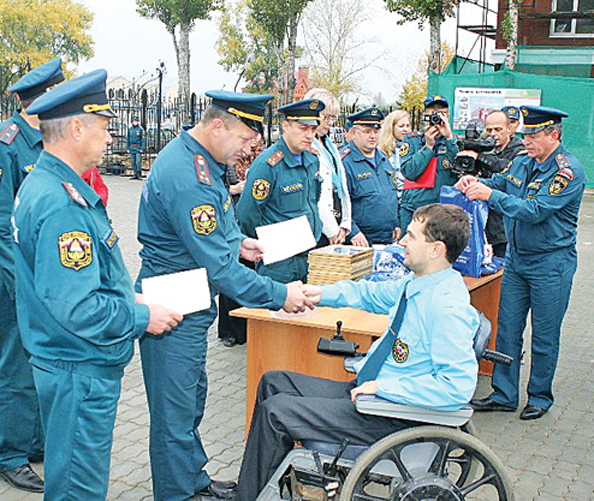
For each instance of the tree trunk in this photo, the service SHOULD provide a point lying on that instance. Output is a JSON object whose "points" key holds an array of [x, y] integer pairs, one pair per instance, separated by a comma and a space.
{"points": [[183, 71], [435, 43], [512, 44], [292, 47]]}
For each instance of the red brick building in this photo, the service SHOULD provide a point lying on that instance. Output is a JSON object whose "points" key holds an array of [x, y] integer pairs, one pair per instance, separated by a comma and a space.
{"points": [[555, 37], [303, 84]]}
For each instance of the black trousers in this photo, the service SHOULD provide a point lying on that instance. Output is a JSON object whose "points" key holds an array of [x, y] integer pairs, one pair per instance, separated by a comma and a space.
{"points": [[291, 407], [232, 327]]}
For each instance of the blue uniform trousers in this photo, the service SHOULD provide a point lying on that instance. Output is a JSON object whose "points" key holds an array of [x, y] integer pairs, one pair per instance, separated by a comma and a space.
{"points": [[78, 414], [174, 368], [136, 161], [540, 283], [21, 435]]}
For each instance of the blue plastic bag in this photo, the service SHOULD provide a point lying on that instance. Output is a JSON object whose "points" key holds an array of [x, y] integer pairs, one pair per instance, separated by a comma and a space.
{"points": [[470, 261], [388, 264]]}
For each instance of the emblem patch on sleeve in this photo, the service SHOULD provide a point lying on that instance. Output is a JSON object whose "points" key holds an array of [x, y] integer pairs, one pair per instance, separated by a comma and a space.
{"points": [[404, 149], [204, 219], [76, 250], [260, 189], [400, 351], [558, 184]]}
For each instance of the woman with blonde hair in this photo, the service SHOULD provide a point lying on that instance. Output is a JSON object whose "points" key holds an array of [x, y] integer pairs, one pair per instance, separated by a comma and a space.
{"points": [[335, 204], [395, 127]]}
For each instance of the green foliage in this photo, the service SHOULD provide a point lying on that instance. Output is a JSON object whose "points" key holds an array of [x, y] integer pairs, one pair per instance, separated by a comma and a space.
{"points": [[414, 90], [34, 31], [421, 10], [246, 48], [174, 12], [506, 25], [274, 15]]}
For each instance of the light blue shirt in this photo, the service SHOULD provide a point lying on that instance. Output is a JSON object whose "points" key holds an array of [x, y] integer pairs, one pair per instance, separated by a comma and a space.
{"points": [[437, 367]]}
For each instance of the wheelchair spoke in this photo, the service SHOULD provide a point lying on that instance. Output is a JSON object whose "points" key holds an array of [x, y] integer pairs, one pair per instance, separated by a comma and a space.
{"points": [[439, 463], [487, 479], [395, 456]]}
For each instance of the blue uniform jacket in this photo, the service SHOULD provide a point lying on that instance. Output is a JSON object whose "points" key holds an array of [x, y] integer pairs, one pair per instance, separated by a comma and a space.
{"points": [[414, 160], [75, 299], [20, 146], [186, 221], [436, 365], [135, 140], [373, 186], [279, 188], [540, 202]]}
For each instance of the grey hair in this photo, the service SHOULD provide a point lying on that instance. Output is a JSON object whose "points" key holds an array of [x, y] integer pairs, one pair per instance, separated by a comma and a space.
{"points": [[549, 129], [212, 112], [53, 130], [332, 104]]}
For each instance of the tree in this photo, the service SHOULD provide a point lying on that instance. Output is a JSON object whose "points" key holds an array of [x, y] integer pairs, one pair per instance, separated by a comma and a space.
{"points": [[332, 45], [280, 19], [436, 11], [179, 18], [247, 49], [34, 31], [414, 90], [510, 33]]}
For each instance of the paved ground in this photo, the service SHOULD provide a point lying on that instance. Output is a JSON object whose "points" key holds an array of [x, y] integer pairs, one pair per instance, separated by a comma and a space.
{"points": [[551, 459]]}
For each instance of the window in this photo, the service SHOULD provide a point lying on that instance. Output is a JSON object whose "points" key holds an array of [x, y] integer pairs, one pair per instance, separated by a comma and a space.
{"points": [[573, 27]]}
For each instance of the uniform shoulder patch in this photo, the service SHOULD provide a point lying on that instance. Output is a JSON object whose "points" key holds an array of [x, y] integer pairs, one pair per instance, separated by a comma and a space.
{"points": [[9, 133], [562, 161], [276, 158], [400, 351], [202, 170], [76, 249], [344, 153], [404, 149], [74, 194], [260, 189], [204, 219], [558, 184]]}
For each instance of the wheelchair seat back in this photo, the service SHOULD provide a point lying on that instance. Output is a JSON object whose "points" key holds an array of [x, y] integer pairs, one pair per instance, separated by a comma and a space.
{"points": [[482, 335]]}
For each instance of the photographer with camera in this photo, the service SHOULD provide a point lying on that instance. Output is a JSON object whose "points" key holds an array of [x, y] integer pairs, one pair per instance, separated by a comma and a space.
{"points": [[507, 146], [426, 159]]}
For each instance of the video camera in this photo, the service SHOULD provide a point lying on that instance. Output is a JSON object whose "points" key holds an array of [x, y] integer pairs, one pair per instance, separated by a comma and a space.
{"points": [[472, 141]]}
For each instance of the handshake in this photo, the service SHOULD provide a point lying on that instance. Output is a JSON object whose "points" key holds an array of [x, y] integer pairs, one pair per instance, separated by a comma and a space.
{"points": [[301, 296]]}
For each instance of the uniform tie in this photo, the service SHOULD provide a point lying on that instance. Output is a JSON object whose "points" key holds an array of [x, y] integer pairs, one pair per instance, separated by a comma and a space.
{"points": [[374, 362]]}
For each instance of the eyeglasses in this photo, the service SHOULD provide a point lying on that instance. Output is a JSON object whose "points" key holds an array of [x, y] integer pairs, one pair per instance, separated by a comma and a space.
{"points": [[330, 118], [367, 131]]}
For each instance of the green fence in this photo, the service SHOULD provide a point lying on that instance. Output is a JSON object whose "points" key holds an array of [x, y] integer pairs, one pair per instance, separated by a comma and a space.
{"points": [[572, 95]]}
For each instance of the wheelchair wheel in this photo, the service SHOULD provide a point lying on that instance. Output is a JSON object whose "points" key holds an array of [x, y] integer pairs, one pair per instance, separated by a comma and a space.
{"points": [[427, 463]]}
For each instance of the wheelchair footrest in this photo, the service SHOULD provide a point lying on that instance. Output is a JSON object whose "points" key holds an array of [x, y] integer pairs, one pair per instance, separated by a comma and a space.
{"points": [[377, 406]]}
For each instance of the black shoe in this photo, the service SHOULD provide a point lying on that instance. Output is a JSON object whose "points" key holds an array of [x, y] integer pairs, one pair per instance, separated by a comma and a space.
{"points": [[229, 342], [38, 458], [532, 412], [23, 478], [488, 405], [218, 489]]}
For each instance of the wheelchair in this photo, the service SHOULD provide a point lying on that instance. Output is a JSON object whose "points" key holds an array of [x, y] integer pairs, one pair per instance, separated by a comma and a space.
{"points": [[440, 459]]}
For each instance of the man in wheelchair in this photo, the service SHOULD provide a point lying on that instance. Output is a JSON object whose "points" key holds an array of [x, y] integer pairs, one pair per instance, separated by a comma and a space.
{"points": [[425, 357]]}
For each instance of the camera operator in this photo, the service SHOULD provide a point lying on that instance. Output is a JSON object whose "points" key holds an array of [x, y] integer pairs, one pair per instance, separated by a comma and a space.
{"points": [[507, 147], [426, 159]]}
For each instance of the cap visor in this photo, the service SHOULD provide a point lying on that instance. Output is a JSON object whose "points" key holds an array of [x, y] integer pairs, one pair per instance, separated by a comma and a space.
{"points": [[105, 113], [309, 122]]}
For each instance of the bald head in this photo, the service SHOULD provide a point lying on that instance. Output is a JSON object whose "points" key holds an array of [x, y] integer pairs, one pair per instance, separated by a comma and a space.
{"points": [[497, 125]]}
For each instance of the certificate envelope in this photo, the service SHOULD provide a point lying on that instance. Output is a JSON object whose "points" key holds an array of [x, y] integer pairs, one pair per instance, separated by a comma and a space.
{"points": [[285, 239], [184, 292]]}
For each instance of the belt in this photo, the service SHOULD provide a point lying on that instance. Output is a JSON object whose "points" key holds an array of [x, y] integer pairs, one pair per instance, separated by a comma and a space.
{"points": [[81, 368]]}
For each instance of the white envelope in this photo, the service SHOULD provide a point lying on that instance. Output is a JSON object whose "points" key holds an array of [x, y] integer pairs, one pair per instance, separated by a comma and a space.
{"points": [[285, 239], [184, 292]]}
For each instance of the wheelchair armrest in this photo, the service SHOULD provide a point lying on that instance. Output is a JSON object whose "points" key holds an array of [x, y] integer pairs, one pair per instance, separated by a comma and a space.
{"points": [[377, 406]]}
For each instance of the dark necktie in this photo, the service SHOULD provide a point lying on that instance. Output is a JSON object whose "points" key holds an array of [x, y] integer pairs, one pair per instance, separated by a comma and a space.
{"points": [[374, 362]]}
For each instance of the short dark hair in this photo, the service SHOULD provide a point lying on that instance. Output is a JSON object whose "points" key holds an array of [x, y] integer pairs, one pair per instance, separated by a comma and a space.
{"points": [[445, 223]]}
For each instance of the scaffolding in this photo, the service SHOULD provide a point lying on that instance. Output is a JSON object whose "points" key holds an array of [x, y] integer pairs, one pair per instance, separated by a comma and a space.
{"points": [[484, 30]]}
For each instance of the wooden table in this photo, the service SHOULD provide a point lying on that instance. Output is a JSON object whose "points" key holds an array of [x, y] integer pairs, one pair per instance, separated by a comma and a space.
{"points": [[279, 341]]}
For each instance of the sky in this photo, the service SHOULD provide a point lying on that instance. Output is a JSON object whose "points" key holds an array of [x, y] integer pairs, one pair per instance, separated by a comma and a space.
{"points": [[129, 45]]}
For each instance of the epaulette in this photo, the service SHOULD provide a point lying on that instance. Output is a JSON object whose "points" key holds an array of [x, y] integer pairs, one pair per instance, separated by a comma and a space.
{"points": [[565, 169], [344, 153], [276, 158], [74, 194], [202, 170], [9, 133], [314, 151]]}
